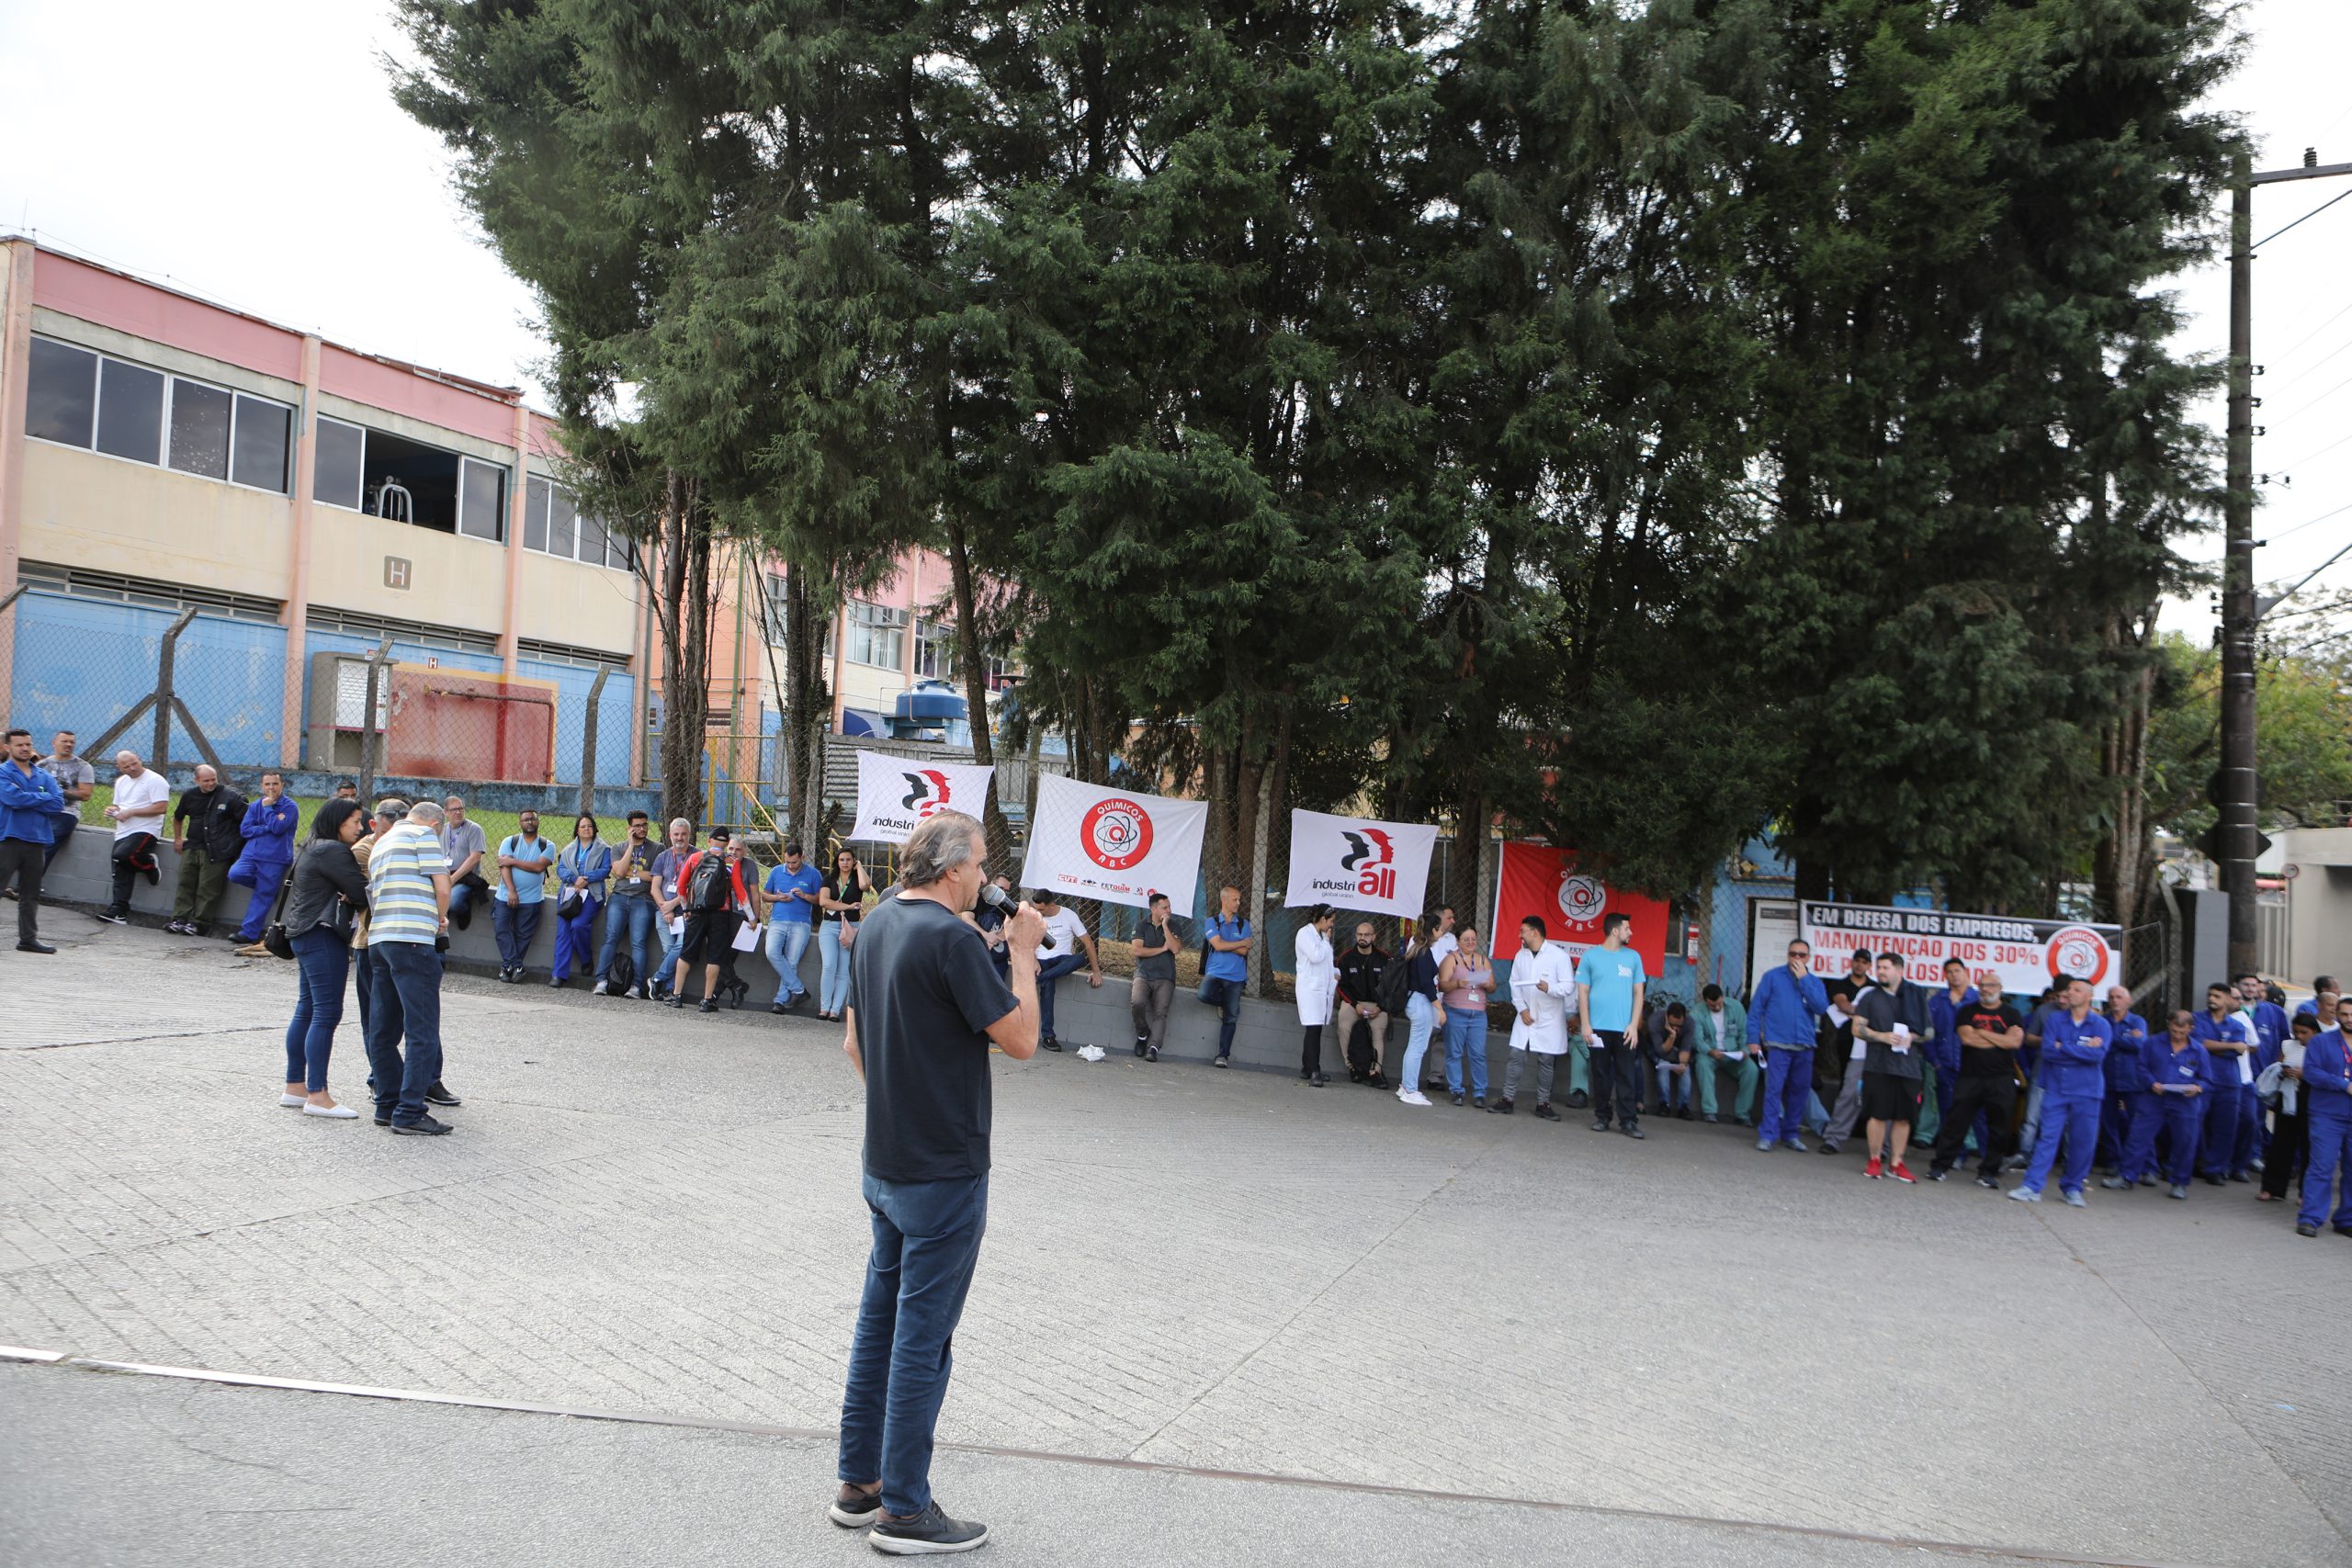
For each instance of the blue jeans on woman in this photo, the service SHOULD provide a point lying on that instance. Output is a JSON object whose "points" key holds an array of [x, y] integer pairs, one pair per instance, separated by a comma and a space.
{"points": [[926, 1241], [1466, 1035], [832, 978], [1420, 1016], [322, 960]]}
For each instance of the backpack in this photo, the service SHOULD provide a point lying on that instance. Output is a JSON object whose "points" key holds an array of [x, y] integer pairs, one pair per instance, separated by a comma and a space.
{"points": [[1396, 985], [709, 889], [621, 973]]}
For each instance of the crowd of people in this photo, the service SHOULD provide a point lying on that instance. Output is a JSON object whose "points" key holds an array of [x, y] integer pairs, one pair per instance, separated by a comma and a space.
{"points": [[2060, 1085]]}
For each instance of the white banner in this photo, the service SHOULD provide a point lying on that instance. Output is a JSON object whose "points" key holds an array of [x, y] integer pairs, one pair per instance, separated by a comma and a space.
{"points": [[895, 794], [1380, 868], [1115, 845], [2027, 955]]}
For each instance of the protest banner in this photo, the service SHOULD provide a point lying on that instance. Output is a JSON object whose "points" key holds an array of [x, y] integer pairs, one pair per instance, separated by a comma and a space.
{"points": [[1115, 845], [1538, 879], [2027, 955], [896, 794], [1379, 868]]}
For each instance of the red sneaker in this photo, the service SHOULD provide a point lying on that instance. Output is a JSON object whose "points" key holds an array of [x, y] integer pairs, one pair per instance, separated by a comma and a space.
{"points": [[1872, 1169], [1903, 1173]]}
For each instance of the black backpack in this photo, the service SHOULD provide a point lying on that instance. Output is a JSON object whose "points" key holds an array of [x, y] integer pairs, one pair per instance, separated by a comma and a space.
{"points": [[1396, 985], [621, 973], [708, 890]]}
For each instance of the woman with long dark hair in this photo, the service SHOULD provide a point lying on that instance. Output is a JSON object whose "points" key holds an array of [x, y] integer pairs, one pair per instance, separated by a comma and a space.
{"points": [[840, 903], [580, 873], [328, 893]]}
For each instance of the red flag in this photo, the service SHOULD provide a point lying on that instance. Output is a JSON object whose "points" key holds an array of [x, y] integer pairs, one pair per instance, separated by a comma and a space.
{"points": [[1571, 901]]}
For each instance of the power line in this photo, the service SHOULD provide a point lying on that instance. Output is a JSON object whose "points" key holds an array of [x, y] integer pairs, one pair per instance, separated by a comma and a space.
{"points": [[2307, 408], [2315, 364], [2314, 331], [2309, 523], [2290, 468], [2306, 217]]}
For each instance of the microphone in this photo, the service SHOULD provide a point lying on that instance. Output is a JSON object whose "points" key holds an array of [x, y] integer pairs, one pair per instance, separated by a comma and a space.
{"points": [[996, 897]]}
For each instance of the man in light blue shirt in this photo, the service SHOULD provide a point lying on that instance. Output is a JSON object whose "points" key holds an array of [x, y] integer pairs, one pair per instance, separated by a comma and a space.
{"points": [[790, 893], [523, 862], [1227, 967], [1609, 984]]}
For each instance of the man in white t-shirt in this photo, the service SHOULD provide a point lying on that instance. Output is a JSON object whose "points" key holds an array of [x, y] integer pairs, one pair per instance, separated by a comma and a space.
{"points": [[1059, 955], [140, 799]]}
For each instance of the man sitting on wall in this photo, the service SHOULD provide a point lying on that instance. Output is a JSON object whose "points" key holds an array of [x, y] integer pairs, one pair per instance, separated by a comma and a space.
{"points": [[1059, 955], [268, 833], [207, 834]]}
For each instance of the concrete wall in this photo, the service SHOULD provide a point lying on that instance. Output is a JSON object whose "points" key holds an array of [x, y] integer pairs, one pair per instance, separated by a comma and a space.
{"points": [[106, 513]]}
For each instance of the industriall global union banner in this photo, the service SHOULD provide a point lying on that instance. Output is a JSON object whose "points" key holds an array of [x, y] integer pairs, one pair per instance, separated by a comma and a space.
{"points": [[1572, 899], [2027, 954], [1380, 868], [1113, 844], [896, 794]]}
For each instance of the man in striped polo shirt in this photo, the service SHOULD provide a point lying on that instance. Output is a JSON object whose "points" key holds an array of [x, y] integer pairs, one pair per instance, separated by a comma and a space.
{"points": [[408, 908]]}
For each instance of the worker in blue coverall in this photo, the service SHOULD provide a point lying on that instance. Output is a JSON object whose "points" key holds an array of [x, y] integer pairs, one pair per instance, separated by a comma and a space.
{"points": [[1943, 1044], [2326, 1079], [2074, 1043], [2127, 1076], [2271, 1039], [2179, 1075], [268, 829], [2227, 1035], [1780, 1018]]}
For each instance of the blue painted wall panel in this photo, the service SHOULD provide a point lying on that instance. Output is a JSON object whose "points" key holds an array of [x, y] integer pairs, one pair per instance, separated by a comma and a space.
{"points": [[82, 664]]}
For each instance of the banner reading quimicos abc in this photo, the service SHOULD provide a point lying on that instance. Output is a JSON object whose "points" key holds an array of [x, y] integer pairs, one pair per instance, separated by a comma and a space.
{"points": [[1570, 898], [895, 794], [2027, 954], [1112, 844], [1373, 867]]}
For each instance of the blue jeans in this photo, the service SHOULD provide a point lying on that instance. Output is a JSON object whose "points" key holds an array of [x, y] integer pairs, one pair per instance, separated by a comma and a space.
{"points": [[1788, 1084], [672, 945], [405, 1001], [832, 975], [1674, 1087], [575, 937], [926, 1240], [1465, 1036], [1051, 970], [61, 824], [1225, 995], [323, 958], [515, 925], [633, 914], [1421, 1019], [788, 940], [2072, 1121]]}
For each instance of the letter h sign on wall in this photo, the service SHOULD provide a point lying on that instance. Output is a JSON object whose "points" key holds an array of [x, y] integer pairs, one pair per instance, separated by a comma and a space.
{"points": [[395, 572]]}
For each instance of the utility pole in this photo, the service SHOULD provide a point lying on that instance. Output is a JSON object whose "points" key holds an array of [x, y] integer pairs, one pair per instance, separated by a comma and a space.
{"points": [[2241, 615]]}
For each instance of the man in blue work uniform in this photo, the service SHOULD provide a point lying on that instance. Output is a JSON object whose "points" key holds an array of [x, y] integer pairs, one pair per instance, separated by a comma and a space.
{"points": [[268, 830], [2127, 1076], [2229, 1038], [2178, 1076], [1943, 1046], [2074, 1043], [2270, 1038], [2327, 1115]]}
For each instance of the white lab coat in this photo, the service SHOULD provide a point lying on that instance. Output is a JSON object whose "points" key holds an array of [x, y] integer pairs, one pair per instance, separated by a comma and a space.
{"points": [[1549, 1033], [1318, 976]]}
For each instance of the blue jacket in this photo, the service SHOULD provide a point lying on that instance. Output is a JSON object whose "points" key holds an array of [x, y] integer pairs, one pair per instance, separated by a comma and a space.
{"points": [[2169, 1074], [2126, 1069], [2207, 1032], [1944, 1049], [1784, 1008], [594, 866], [2327, 1073], [269, 830], [2270, 1027], [28, 798], [2073, 1056]]}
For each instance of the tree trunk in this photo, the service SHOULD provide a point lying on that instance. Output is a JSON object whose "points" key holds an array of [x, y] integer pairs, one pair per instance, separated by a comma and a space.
{"points": [[807, 709], [1270, 801], [682, 604], [976, 684]]}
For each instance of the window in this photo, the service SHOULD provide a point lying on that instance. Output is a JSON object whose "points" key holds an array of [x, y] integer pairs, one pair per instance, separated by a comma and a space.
{"points": [[481, 500], [935, 649], [131, 411], [341, 461], [80, 399], [257, 456], [875, 634], [553, 524], [62, 394], [172, 596]]}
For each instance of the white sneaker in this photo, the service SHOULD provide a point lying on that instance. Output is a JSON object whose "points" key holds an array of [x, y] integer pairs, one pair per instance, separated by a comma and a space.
{"points": [[1412, 1097], [292, 1100], [340, 1112], [600, 989]]}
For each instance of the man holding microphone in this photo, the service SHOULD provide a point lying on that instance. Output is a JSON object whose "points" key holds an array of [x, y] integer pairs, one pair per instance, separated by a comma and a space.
{"points": [[925, 1003]]}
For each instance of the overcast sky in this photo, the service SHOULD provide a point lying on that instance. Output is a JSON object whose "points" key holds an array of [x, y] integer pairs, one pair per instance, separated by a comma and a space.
{"points": [[249, 151]]}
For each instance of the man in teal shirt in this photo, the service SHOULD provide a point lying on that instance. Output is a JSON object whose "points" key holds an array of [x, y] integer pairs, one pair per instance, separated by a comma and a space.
{"points": [[522, 889], [1722, 1025], [1609, 983]]}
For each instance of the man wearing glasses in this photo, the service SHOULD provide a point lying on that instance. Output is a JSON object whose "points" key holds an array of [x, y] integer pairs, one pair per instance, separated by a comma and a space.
{"points": [[1781, 1018]]}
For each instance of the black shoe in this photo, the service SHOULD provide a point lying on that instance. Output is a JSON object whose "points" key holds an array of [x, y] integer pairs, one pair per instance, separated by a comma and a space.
{"points": [[2217, 1181], [1633, 1132], [778, 1007], [1457, 1100], [1151, 1053], [2344, 1230], [1684, 1115], [383, 1119], [1480, 1102], [1222, 1062], [854, 1510], [110, 917], [709, 1004], [464, 919], [1142, 1042], [2307, 1230], [2240, 1176], [1990, 1183], [34, 947], [437, 1095], [737, 992], [1543, 1112], [1935, 1175], [1600, 1123], [1049, 1043], [924, 1534], [152, 871], [554, 984], [1579, 1100], [1828, 1148], [1499, 1108], [1315, 1082], [423, 1127]]}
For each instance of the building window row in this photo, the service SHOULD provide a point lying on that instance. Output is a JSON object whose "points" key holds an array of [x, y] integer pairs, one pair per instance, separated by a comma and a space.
{"points": [[78, 397], [876, 634], [364, 469], [554, 524]]}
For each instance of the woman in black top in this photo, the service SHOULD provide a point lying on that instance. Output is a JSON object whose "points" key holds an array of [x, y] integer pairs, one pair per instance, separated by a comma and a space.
{"points": [[328, 890], [840, 902]]}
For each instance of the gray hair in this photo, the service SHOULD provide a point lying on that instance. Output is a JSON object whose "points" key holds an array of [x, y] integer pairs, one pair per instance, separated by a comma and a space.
{"points": [[685, 822], [938, 845], [389, 809], [427, 813]]}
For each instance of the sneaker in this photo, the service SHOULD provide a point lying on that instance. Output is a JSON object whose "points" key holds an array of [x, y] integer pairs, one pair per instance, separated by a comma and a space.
{"points": [[439, 1095], [673, 1001], [1151, 1053], [2117, 1184], [153, 870], [423, 1127], [1635, 1132], [1828, 1148], [1935, 1175], [635, 993], [1412, 1097], [1480, 1101], [1543, 1112], [709, 1004], [1599, 1124], [1765, 1146], [1990, 1183], [853, 1509], [1457, 1100], [603, 988], [1579, 1100], [1873, 1170], [1222, 1062], [2179, 1191], [1709, 1120], [1792, 1144], [1143, 1044], [110, 917], [1901, 1173], [777, 1007], [924, 1533], [1500, 1107], [2073, 1196], [2299, 1230], [2026, 1194], [175, 927], [1050, 1044]]}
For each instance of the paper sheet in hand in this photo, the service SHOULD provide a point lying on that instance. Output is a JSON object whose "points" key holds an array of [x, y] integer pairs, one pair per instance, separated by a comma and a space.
{"points": [[747, 936]]}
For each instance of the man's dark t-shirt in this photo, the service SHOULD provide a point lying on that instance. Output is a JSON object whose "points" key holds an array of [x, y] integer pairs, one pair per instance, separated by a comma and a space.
{"points": [[1883, 1009], [1987, 1062], [924, 993], [1159, 965]]}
